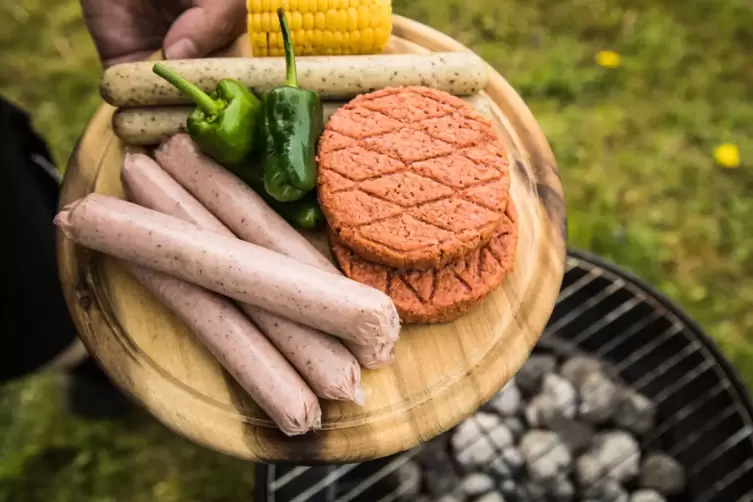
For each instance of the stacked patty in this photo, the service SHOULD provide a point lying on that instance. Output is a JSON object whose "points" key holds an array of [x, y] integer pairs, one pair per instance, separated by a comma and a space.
{"points": [[415, 187]]}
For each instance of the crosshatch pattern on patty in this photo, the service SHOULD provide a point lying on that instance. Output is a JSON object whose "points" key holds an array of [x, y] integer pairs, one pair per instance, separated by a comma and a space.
{"points": [[412, 177], [441, 294]]}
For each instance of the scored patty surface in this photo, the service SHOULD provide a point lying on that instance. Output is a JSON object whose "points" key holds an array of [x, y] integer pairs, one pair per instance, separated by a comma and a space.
{"points": [[412, 177], [446, 293]]}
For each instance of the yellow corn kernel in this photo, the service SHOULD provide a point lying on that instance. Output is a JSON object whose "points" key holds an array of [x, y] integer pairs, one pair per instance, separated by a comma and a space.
{"points": [[352, 19], [381, 37], [331, 16], [254, 6], [264, 22], [274, 40], [321, 6], [363, 17], [327, 39], [308, 21], [341, 19], [283, 4], [318, 37], [367, 37], [295, 21], [320, 21], [293, 5], [375, 14], [332, 4]]}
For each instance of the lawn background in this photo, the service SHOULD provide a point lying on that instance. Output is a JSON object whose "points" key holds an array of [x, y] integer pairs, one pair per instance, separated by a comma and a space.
{"points": [[634, 144]]}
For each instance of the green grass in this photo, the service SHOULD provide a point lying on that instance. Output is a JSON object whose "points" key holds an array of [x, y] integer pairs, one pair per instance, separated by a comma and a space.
{"points": [[634, 145]]}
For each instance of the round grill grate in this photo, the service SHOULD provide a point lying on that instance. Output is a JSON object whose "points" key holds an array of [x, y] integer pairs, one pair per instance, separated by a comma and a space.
{"points": [[704, 416]]}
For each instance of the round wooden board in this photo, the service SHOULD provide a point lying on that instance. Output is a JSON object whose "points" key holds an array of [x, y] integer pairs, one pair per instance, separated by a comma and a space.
{"points": [[442, 373]]}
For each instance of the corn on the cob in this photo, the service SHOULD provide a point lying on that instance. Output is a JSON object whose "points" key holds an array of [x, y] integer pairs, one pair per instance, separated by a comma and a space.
{"points": [[321, 27]]}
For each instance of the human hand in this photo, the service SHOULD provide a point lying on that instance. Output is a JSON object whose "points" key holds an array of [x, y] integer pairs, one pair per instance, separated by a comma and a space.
{"points": [[131, 30]]}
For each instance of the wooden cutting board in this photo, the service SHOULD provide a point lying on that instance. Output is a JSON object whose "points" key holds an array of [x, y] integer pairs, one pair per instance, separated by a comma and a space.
{"points": [[442, 373]]}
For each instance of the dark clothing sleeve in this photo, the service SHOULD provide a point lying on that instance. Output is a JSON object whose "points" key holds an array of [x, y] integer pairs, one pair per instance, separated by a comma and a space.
{"points": [[35, 325]]}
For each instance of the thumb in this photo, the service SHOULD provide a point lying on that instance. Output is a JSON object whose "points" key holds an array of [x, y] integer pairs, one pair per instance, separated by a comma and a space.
{"points": [[203, 29]]}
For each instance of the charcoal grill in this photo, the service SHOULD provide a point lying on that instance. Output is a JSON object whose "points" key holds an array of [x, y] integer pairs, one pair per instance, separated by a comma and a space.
{"points": [[704, 413]]}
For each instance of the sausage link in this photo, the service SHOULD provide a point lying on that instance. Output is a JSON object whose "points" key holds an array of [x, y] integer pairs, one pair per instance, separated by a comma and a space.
{"points": [[343, 77], [231, 200], [251, 219], [151, 125], [324, 362], [146, 184], [241, 349], [232, 267]]}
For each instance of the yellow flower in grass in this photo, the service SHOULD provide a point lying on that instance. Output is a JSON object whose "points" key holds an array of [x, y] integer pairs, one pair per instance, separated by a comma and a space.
{"points": [[727, 155], [608, 59]]}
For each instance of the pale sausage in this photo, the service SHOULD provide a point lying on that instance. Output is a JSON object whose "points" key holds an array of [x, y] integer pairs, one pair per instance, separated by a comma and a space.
{"points": [[328, 367], [341, 77], [241, 349], [151, 125], [232, 267], [251, 219]]}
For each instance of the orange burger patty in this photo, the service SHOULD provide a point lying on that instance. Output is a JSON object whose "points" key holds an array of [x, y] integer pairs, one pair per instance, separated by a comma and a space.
{"points": [[443, 294], [412, 177]]}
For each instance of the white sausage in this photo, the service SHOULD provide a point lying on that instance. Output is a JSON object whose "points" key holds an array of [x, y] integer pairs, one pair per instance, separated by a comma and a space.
{"points": [[151, 125], [251, 219], [232, 267], [328, 367], [239, 346], [341, 77]]}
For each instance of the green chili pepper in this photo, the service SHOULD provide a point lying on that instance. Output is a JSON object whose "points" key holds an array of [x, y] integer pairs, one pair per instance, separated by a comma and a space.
{"points": [[304, 213], [223, 124], [293, 121]]}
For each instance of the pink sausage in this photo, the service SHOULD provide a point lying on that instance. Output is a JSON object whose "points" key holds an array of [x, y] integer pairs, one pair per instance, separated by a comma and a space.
{"points": [[241, 349], [251, 219], [234, 203], [324, 362], [232, 267], [148, 185]]}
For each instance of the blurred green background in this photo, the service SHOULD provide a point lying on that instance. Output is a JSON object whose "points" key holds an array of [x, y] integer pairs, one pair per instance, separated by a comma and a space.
{"points": [[635, 144]]}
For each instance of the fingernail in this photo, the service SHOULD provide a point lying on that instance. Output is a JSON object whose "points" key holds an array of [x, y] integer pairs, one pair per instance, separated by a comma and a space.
{"points": [[184, 48], [359, 396]]}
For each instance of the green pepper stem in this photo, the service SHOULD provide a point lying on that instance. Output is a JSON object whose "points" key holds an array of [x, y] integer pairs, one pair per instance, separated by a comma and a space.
{"points": [[201, 98], [291, 74]]}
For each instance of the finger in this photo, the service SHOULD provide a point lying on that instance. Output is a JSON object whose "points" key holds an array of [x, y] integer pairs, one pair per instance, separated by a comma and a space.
{"points": [[204, 29], [127, 30]]}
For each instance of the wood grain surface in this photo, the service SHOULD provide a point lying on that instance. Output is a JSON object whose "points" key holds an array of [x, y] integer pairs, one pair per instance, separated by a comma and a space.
{"points": [[442, 373]]}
